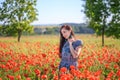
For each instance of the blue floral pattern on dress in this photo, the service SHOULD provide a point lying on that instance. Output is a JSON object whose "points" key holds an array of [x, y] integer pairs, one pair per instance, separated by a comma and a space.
{"points": [[67, 58]]}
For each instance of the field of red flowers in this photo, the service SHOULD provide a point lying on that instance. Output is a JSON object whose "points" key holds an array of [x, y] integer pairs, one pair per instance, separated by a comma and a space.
{"points": [[37, 58]]}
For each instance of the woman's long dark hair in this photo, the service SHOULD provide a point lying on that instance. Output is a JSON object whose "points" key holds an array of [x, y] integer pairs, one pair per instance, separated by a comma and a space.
{"points": [[62, 39]]}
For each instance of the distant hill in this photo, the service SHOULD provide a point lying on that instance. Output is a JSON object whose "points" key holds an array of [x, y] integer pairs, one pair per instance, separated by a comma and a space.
{"points": [[54, 28], [75, 24]]}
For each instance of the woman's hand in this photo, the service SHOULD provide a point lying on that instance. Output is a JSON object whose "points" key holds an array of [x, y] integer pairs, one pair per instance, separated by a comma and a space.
{"points": [[70, 40]]}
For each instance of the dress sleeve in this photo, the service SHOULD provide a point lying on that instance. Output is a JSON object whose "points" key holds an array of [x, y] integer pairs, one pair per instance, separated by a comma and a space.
{"points": [[78, 43]]}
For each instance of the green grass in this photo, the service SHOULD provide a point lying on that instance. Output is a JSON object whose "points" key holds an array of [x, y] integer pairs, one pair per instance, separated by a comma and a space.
{"points": [[86, 38]]}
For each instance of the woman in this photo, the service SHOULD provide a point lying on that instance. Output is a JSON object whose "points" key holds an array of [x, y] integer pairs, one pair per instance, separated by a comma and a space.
{"points": [[69, 47]]}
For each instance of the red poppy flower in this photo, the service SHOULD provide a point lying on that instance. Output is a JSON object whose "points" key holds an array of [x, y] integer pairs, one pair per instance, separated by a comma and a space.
{"points": [[37, 72], [44, 76], [63, 69], [118, 73], [72, 67]]}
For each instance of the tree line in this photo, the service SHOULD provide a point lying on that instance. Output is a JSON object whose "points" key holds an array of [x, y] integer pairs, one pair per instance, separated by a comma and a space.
{"points": [[77, 28]]}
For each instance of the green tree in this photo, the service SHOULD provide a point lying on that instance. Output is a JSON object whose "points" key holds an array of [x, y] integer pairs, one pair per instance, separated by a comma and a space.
{"points": [[114, 25], [17, 15], [102, 15], [0, 30]]}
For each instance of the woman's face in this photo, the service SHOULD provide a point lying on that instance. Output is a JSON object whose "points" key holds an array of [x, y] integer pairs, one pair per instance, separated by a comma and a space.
{"points": [[66, 33]]}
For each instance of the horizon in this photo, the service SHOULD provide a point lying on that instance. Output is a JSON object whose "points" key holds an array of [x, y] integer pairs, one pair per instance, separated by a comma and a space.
{"points": [[58, 23]]}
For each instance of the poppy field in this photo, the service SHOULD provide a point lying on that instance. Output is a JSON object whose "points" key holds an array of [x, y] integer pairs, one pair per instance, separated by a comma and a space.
{"points": [[36, 58]]}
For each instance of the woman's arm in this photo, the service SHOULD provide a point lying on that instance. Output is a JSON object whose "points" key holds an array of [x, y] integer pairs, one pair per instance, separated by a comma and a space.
{"points": [[75, 52]]}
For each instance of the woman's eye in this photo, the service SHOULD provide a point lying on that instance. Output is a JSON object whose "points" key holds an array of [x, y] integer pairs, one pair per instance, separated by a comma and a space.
{"points": [[64, 32]]}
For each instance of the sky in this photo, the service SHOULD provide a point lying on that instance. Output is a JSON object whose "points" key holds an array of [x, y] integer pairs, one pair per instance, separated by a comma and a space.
{"points": [[59, 11]]}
